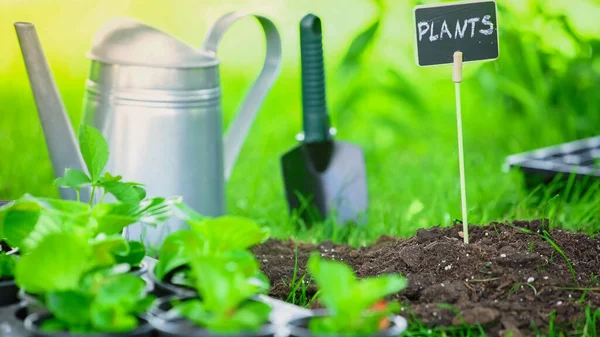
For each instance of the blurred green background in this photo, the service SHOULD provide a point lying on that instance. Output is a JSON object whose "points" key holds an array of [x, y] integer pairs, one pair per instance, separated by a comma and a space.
{"points": [[543, 90]]}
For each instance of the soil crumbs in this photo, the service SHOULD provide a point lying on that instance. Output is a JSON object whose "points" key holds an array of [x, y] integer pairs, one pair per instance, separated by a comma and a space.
{"points": [[505, 280]]}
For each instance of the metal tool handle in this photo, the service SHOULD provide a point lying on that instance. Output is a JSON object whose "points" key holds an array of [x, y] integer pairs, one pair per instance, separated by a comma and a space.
{"points": [[314, 104], [238, 130]]}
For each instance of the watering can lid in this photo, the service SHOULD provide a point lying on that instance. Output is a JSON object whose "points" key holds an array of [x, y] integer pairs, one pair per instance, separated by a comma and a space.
{"points": [[125, 41]]}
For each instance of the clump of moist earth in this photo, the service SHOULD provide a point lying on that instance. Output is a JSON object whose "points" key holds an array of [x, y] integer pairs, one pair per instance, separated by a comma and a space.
{"points": [[506, 280]]}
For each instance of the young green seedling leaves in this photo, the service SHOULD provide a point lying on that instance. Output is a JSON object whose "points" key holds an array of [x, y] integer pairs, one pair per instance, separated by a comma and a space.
{"points": [[56, 264], [30, 219], [229, 232], [18, 221], [137, 252], [208, 237], [226, 285], [74, 179], [176, 251], [70, 307], [112, 218], [117, 303], [105, 302], [123, 192], [105, 248], [94, 150], [355, 306]]}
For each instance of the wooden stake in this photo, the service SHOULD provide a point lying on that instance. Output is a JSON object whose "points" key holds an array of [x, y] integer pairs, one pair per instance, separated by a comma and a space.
{"points": [[457, 78]]}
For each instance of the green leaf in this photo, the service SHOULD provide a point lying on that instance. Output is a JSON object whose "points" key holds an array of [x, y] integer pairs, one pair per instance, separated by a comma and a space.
{"points": [[225, 281], [18, 221], [144, 305], [73, 179], [94, 150], [194, 311], [53, 325], [56, 264], [7, 265], [112, 320], [117, 302], [177, 250], [249, 317], [371, 290], [359, 45], [70, 307], [335, 281], [135, 255], [113, 217], [229, 233], [123, 291], [140, 191], [227, 284], [110, 178], [106, 247], [183, 211], [55, 215], [357, 306], [122, 191], [156, 210]]}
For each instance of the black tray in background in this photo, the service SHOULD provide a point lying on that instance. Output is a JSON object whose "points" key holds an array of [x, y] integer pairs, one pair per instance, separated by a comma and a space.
{"points": [[581, 158]]}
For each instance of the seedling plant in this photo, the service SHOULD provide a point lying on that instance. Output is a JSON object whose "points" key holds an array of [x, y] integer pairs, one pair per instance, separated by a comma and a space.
{"points": [[73, 258], [223, 272], [355, 307]]}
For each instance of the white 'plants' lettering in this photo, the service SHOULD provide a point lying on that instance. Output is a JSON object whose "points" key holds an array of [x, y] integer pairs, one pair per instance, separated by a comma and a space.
{"points": [[445, 31], [460, 32], [425, 27], [473, 21], [486, 21], [431, 36]]}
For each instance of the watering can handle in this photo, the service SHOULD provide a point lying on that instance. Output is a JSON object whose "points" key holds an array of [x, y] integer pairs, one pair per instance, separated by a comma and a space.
{"points": [[238, 130]]}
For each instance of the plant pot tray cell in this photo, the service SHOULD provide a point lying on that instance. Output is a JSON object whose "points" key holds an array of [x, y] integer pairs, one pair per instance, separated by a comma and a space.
{"points": [[581, 157]]}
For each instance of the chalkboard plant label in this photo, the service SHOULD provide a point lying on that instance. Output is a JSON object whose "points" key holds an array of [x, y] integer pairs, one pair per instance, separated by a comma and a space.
{"points": [[470, 27]]}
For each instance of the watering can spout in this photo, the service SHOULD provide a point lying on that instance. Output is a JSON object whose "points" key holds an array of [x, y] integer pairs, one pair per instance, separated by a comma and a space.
{"points": [[58, 132]]}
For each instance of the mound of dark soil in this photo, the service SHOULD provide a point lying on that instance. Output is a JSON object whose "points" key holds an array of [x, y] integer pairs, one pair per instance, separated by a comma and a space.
{"points": [[505, 279]]}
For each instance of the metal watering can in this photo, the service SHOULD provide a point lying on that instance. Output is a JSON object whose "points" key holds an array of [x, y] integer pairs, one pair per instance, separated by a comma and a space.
{"points": [[157, 101]]}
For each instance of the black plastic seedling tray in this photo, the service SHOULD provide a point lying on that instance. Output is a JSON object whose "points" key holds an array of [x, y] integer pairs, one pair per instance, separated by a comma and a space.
{"points": [[580, 158], [283, 312]]}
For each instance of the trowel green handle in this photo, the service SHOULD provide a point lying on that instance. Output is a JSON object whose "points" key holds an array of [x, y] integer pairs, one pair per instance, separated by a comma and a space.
{"points": [[314, 104]]}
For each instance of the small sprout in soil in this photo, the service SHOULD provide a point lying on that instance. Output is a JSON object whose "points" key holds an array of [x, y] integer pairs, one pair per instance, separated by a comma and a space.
{"points": [[515, 287], [299, 285], [546, 236]]}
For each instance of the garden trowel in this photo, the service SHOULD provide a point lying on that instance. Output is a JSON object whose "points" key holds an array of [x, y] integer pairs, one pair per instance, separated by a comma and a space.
{"points": [[322, 177]]}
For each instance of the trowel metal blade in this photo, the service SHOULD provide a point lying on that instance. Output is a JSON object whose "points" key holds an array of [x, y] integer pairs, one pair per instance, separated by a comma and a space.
{"points": [[328, 180]]}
